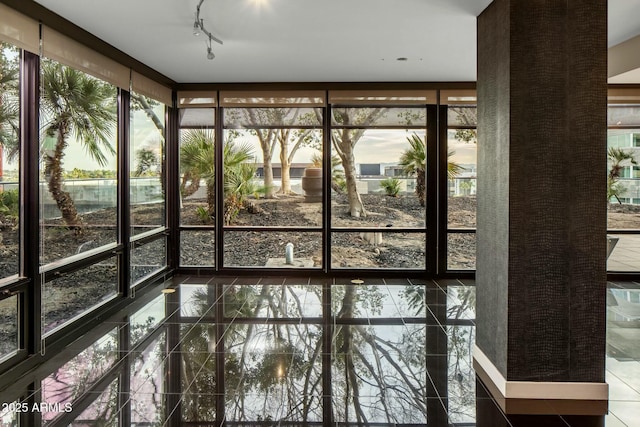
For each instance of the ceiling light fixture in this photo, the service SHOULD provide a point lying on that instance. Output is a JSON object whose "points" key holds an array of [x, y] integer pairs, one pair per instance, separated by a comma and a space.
{"points": [[210, 54], [198, 28]]}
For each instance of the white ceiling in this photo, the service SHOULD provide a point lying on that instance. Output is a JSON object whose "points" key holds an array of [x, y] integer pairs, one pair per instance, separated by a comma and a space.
{"points": [[303, 40]]}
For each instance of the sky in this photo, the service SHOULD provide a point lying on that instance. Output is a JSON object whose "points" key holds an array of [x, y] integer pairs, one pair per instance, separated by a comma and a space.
{"points": [[376, 146]]}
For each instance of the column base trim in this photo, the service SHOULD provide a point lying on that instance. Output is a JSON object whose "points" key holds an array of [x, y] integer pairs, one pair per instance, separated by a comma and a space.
{"points": [[533, 397]]}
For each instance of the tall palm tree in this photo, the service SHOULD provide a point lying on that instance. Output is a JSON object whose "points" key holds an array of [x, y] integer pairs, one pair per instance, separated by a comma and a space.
{"points": [[414, 163], [618, 158], [74, 105], [197, 161]]}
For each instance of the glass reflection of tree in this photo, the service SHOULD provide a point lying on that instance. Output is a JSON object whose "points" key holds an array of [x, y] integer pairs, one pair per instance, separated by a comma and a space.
{"points": [[378, 377], [198, 373], [147, 384], [76, 376], [272, 370], [103, 412], [461, 376]]}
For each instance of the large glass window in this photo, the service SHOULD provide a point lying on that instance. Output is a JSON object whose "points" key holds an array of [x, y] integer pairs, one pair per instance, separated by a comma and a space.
{"points": [[9, 158], [272, 167], [462, 163], [147, 259], [147, 169], [379, 163], [73, 294], [623, 188], [197, 186], [78, 191]]}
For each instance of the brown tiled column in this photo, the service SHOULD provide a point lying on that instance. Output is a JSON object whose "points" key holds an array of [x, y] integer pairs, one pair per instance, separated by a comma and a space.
{"points": [[541, 268]]}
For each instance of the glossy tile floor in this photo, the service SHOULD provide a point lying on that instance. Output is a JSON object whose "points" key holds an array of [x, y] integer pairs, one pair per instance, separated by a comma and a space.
{"points": [[249, 351], [626, 254]]}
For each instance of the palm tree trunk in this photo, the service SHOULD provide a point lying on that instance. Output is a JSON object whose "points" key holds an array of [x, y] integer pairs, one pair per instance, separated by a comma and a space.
{"points": [[421, 187], [211, 197], [63, 198]]}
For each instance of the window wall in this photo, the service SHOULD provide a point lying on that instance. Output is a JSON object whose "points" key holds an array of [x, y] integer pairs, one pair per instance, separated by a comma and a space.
{"points": [[377, 165], [9, 158], [273, 180], [379, 200], [461, 171], [147, 165], [623, 181], [196, 180], [82, 194]]}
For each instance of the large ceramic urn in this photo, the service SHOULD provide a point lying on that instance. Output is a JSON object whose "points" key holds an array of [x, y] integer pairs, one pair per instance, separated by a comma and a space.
{"points": [[312, 184]]}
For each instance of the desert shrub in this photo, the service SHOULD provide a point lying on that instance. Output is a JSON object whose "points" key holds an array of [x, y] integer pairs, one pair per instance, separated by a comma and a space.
{"points": [[10, 203], [391, 186], [203, 214]]}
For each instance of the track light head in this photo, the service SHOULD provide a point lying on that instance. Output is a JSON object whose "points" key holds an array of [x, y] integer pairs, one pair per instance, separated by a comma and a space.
{"points": [[198, 28]]}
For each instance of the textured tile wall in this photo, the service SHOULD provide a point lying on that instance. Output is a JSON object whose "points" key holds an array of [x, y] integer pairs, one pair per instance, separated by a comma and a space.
{"points": [[542, 211]]}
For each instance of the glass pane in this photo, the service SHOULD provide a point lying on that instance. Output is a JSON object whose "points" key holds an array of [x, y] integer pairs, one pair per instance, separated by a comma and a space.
{"points": [[144, 321], [273, 177], [147, 259], [9, 326], [623, 185], [102, 412], [623, 115], [76, 293], [462, 116], [623, 252], [461, 251], [147, 164], [382, 183], [462, 170], [389, 389], [373, 299], [74, 377], [197, 176], [291, 299], [9, 159], [269, 249], [378, 250], [147, 384], [284, 116], [78, 161], [197, 248], [379, 116], [198, 373], [273, 372]]}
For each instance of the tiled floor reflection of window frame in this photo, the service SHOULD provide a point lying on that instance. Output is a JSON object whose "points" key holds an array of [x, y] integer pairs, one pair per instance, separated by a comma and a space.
{"points": [[254, 306], [295, 355]]}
